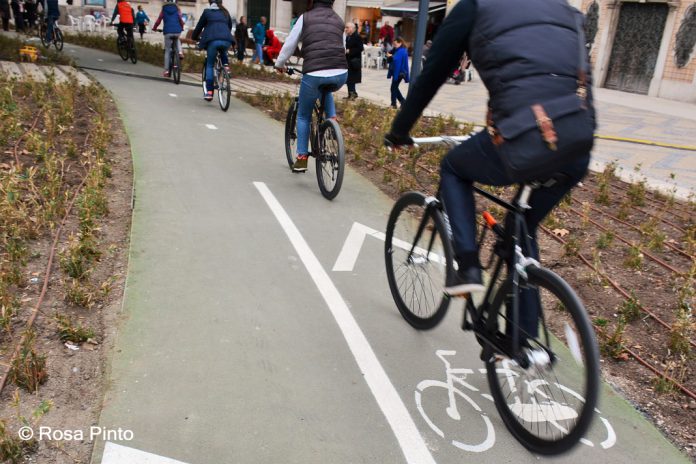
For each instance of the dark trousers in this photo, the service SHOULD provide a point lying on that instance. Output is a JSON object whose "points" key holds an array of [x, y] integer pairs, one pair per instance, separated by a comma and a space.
{"points": [[6, 21], [18, 17], [395, 92], [241, 48], [477, 160], [351, 88], [128, 28]]}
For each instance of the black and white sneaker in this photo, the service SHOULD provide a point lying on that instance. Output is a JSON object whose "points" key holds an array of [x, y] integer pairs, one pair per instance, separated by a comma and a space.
{"points": [[464, 282]]}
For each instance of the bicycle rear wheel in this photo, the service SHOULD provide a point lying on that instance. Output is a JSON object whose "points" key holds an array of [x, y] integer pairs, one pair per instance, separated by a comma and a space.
{"points": [[291, 133], [224, 89], [176, 67], [122, 45], [58, 41], [331, 159], [418, 255], [548, 406]]}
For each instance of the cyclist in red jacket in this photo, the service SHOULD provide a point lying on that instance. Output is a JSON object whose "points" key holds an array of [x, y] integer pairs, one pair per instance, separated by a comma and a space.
{"points": [[127, 18]]}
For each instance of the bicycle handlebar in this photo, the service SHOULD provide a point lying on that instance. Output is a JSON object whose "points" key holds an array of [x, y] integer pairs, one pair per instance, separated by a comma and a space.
{"points": [[292, 71]]}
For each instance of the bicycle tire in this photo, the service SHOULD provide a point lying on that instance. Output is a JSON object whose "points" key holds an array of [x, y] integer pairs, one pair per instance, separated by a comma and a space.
{"points": [[133, 51], [224, 90], [122, 46], [176, 67], [432, 248], [203, 79], [58, 41], [570, 416], [42, 35], [291, 134], [331, 159]]}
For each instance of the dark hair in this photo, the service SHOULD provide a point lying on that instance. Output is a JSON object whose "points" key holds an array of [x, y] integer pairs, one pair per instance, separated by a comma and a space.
{"points": [[400, 40]]}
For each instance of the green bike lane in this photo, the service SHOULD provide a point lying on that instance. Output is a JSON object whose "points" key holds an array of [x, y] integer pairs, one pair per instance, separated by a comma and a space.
{"points": [[239, 343]]}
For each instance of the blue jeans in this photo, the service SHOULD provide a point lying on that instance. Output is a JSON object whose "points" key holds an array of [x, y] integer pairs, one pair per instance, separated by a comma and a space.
{"points": [[309, 93], [212, 50], [477, 160], [50, 24], [258, 51]]}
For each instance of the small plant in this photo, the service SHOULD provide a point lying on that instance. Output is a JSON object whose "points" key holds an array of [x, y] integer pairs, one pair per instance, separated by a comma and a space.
{"points": [[604, 181], [68, 331], [604, 240], [634, 258], [80, 294], [601, 322], [571, 246], [630, 310], [636, 192], [624, 210], [681, 332], [28, 370], [551, 221], [663, 385], [677, 370], [12, 449], [613, 346]]}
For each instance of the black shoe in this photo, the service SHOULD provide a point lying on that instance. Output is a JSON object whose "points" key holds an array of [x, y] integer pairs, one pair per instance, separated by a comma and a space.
{"points": [[465, 281]]}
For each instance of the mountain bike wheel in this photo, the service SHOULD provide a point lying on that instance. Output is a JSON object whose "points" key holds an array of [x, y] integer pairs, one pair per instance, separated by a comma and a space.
{"points": [[58, 40], [291, 133], [133, 51], [42, 35], [176, 68], [548, 407], [224, 89], [417, 278], [122, 46], [331, 159]]}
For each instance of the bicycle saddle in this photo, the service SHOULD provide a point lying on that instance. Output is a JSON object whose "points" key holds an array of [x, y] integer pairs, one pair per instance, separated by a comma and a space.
{"points": [[325, 88]]}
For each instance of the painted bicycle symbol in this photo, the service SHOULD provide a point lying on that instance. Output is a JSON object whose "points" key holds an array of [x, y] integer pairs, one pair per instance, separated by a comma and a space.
{"points": [[455, 386]]}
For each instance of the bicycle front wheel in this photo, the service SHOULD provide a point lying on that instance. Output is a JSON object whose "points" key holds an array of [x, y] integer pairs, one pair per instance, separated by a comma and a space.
{"points": [[548, 405], [331, 159], [224, 89], [133, 51], [42, 35], [58, 41], [418, 255], [291, 133]]}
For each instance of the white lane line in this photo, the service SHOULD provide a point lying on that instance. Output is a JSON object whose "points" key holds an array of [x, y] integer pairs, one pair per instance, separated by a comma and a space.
{"points": [[119, 454], [100, 60], [405, 430], [173, 95], [211, 126]]}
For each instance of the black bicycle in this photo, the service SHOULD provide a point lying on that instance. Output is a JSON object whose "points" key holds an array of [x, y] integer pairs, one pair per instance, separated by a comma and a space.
{"points": [[221, 81], [56, 36], [126, 47], [174, 59], [533, 377], [326, 141]]}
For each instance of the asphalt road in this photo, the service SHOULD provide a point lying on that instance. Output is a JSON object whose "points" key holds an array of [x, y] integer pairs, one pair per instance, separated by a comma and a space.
{"points": [[240, 344]]}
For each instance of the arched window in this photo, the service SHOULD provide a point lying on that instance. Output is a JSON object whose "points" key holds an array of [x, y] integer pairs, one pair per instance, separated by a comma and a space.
{"points": [[686, 37], [591, 23]]}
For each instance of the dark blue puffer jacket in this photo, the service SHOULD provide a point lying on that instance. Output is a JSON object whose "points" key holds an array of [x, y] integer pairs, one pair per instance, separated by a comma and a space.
{"points": [[170, 17], [215, 25]]}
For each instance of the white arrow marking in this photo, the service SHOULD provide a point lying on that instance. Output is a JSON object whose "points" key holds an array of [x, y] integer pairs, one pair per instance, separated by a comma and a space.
{"points": [[354, 242], [119, 454], [411, 442], [211, 126]]}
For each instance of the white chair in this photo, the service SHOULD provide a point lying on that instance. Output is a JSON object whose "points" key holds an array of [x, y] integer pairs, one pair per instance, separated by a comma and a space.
{"points": [[75, 23], [89, 23]]}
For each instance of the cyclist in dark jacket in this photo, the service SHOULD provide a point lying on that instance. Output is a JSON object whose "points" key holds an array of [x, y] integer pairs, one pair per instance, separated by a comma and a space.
{"points": [[52, 14], [173, 26], [510, 49], [215, 32]]}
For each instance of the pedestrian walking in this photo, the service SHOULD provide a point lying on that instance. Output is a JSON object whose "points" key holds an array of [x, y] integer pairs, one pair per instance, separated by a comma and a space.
{"points": [[5, 14], [18, 15], [259, 33], [142, 20], [241, 34], [398, 70], [354, 50], [30, 14]]}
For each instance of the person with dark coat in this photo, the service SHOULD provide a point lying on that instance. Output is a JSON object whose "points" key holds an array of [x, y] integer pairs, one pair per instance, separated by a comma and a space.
{"points": [[5, 14], [52, 14], [354, 50], [18, 15], [241, 34], [215, 32]]}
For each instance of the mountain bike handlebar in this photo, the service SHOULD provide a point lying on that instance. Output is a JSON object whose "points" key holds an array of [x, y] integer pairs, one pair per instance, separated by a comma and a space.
{"points": [[292, 71]]}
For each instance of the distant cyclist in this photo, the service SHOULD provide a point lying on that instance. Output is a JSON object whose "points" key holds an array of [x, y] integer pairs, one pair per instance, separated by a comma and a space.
{"points": [[173, 26], [524, 57], [51, 13], [216, 28], [321, 32], [126, 15]]}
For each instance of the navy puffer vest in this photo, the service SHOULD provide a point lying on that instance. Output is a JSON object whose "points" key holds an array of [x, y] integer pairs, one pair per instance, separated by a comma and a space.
{"points": [[322, 40], [170, 14], [526, 57]]}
